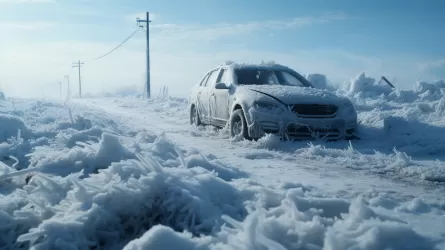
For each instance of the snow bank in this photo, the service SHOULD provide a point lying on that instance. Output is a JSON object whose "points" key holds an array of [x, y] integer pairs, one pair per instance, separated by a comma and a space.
{"points": [[11, 126], [366, 86], [395, 165], [320, 81], [411, 121], [95, 188], [329, 224], [121, 202], [122, 91]]}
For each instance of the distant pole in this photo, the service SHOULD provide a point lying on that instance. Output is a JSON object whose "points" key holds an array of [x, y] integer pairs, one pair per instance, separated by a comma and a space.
{"points": [[79, 64], [147, 21], [60, 89], [67, 77]]}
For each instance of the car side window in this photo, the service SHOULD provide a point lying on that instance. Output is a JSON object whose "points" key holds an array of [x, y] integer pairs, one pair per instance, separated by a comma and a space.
{"points": [[211, 81], [225, 77]]}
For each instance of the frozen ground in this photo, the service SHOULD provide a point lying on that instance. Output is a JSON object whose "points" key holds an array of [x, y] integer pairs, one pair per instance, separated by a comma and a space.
{"points": [[113, 173]]}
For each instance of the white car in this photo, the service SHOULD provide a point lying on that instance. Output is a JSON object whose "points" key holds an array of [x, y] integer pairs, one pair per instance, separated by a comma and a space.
{"points": [[256, 99]]}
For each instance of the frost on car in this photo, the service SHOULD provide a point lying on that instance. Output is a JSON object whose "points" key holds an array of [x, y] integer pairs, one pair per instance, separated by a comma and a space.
{"points": [[256, 99]]}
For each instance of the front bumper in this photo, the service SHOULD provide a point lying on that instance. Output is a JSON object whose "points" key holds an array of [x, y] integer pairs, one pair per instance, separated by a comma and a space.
{"points": [[291, 127]]}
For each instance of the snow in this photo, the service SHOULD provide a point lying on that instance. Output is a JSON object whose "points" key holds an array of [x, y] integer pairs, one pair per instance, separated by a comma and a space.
{"points": [[290, 94], [128, 173], [364, 86], [319, 81]]}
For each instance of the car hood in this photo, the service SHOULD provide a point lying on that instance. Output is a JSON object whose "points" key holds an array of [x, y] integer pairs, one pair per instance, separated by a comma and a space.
{"points": [[297, 95]]}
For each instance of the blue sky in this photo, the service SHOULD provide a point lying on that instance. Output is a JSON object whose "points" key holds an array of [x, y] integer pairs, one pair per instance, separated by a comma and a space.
{"points": [[402, 40]]}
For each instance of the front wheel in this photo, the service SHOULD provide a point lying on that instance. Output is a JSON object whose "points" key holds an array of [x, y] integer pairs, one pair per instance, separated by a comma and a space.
{"points": [[194, 116], [238, 125]]}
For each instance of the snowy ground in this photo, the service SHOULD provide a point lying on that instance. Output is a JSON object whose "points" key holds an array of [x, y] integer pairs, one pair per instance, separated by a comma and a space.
{"points": [[113, 173]]}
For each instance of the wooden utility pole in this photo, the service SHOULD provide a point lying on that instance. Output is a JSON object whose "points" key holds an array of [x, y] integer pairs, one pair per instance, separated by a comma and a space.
{"points": [[67, 78], [147, 21], [79, 64], [60, 89]]}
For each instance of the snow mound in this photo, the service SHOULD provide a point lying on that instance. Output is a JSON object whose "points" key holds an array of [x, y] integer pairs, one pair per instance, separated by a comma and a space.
{"points": [[413, 135], [11, 126], [330, 224], [319, 81], [112, 207], [372, 231], [94, 186], [395, 165], [366, 86], [435, 87]]}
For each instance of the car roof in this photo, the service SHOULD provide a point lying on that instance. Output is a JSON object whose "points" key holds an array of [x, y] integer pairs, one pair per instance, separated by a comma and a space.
{"points": [[258, 66], [263, 65]]}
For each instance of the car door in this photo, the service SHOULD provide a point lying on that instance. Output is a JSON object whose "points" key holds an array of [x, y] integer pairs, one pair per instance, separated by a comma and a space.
{"points": [[202, 99], [220, 98], [208, 106]]}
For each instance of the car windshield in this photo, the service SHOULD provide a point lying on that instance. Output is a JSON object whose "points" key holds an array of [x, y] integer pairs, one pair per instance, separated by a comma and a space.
{"points": [[269, 77]]}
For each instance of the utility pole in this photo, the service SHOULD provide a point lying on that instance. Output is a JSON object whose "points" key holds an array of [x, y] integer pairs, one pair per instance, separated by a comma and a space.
{"points": [[79, 64], [60, 89], [147, 21], [67, 78]]}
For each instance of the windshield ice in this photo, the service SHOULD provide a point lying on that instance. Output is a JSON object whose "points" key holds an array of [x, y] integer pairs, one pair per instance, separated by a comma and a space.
{"points": [[267, 77]]}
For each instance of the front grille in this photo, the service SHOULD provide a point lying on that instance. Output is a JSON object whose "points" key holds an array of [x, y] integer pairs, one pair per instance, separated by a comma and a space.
{"points": [[314, 110], [306, 132]]}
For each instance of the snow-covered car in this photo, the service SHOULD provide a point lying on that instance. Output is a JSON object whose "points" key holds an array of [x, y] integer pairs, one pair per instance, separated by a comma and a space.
{"points": [[257, 99]]}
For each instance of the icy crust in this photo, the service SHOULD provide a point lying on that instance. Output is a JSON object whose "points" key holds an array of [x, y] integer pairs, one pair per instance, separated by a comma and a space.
{"points": [[397, 128], [94, 188], [320, 81], [264, 64], [156, 202], [409, 120], [291, 95], [294, 220]]}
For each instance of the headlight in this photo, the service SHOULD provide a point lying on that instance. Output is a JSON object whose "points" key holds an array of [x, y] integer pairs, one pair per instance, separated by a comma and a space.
{"points": [[267, 107], [349, 108]]}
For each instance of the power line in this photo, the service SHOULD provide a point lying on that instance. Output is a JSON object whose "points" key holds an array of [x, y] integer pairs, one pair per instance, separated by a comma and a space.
{"points": [[79, 63], [71, 70], [118, 46]]}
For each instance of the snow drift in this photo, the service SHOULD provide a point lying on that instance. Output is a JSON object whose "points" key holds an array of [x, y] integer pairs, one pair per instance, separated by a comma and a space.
{"points": [[94, 186], [320, 81], [366, 86]]}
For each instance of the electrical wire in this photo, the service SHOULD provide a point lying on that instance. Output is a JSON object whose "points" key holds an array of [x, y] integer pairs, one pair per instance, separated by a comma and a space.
{"points": [[118, 46], [71, 70], [111, 51]]}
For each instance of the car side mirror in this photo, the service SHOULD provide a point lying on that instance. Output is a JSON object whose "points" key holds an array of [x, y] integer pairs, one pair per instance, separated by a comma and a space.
{"points": [[221, 85]]}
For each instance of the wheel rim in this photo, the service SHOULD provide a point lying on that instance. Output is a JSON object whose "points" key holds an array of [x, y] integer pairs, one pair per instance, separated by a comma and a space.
{"points": [[237, 127]]}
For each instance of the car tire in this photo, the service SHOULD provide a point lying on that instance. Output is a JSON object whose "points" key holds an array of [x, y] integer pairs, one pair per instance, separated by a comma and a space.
{"points": [[194, 116], [238, 124]]}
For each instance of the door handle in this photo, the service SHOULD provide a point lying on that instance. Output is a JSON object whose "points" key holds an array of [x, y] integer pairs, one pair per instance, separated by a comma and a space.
{"points": [[213, 95]]}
